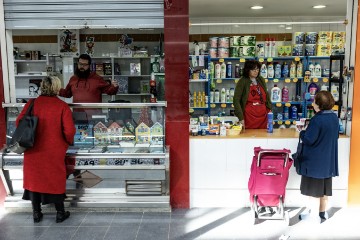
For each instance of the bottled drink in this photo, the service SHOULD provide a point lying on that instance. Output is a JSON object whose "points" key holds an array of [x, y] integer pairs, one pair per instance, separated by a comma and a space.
{"points": [[237, 70], [285, 94], [223, 70], [229, 70], [270, 122]]}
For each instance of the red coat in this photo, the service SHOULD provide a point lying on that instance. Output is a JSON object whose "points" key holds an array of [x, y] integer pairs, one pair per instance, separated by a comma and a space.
{"points": [[44, 164], [87, 90]]}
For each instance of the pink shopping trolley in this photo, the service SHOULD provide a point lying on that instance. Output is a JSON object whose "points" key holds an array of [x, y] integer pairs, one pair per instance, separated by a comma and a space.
{"points": [[267, 183]]}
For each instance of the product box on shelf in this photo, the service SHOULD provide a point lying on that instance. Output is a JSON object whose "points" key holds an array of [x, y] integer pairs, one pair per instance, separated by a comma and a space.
{"points": [[285, 51], [247, 40], [338, 37], [247, 51], [323, 49], [325, 37], [337, 49], [135, 69], [235, 41], [124, 52], [123, 85], [298, 50]]}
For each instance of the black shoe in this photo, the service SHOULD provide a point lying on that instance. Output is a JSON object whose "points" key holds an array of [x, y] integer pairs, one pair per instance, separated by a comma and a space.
{"points": [[62, 216], [37, 216]]}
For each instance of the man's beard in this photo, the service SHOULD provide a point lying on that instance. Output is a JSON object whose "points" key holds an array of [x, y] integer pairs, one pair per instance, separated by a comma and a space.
{"points": [[83, 74]]}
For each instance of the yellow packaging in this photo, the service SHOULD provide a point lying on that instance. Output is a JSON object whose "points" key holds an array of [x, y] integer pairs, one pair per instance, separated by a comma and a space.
{"points": [[325, 37], [337, 48], [323, 50], [339, 37], [288, 50], [284, 51]]}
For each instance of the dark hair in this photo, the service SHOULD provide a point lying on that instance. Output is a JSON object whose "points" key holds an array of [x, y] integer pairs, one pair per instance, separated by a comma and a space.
{"points": [[250, 65], [324, 100], [85, 57]]}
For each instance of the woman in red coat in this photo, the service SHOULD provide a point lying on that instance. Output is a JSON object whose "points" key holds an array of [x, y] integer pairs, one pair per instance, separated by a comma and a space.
{"points": [[44, 165]]}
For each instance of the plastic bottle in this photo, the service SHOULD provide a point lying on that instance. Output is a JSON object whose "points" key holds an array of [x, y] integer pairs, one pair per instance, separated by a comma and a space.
{"points": [[197, 49], [285, 94], [267, 47], [217, 96], [335, 92], [212, 70], [324, 88], [317, 70], [222, 129], [292, 70], [277, 70], [263, 71], [223, 95], [212, 96], [195, 100], [270, 70], [273, 47], [270, 119], [312, 69], [237, 69], [217, 70], [241, 71], [299, 70], [313, 89], [285, 70], [203, 100], [275, 94], [232, 91], [286, 113], [223, 70], [293, 112], [229, 70]]}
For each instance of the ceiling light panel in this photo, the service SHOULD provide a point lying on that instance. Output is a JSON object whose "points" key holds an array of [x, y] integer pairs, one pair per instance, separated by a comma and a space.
{"points": [[257, 7], [319, 6]]}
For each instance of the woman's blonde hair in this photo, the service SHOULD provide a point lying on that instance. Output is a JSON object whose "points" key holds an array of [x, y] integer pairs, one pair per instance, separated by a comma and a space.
{"points": [[50, 86]]}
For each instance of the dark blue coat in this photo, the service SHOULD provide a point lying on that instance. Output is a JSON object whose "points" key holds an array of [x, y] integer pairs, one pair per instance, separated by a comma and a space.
{"points": [[320, 146]]}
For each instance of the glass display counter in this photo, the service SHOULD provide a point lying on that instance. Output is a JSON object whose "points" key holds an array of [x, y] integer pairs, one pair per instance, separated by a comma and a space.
{"points": [[119, 158]]}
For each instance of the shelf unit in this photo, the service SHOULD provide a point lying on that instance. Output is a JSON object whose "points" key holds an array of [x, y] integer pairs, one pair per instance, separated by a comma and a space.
{"points": [[337, 65], [199, 85], [297, 90]]}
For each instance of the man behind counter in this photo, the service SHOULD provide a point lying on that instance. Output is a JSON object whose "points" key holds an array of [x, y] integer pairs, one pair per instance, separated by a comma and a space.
{"points": [[86, 86]]}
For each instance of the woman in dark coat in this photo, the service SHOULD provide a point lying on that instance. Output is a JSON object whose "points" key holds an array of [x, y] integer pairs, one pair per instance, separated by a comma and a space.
{"points": [[319, 157], [44, 166]]}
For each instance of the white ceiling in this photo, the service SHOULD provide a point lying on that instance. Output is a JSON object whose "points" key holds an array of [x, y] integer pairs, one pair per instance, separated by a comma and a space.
{"points": [[272, 8]]}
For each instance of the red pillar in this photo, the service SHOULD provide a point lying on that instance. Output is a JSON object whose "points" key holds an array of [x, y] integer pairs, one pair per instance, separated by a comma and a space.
{"points": [[2, 129], [176, 34]]}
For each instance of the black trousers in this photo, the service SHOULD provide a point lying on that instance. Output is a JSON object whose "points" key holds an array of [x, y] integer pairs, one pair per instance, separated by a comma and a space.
{"points": [[36, 203]]}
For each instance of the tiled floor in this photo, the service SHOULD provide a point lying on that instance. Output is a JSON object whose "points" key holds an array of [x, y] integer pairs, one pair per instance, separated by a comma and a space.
{"points": [[200, 223]]}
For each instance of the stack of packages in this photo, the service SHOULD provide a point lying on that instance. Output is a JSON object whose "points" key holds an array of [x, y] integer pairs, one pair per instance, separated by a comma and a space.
{"points": [[330, 43], [242, 46]]}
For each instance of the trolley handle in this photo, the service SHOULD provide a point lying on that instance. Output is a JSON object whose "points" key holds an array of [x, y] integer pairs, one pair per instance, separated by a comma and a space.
{"points": [[272, 151]]}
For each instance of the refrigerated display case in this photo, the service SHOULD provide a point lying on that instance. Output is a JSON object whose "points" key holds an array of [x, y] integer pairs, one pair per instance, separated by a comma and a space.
{"points": [[118, 159]]}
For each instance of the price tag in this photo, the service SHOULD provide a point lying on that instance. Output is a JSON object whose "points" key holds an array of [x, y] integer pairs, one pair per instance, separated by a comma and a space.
{"points": [[287, 104], [287, 80], [280, 122], [213, 105], [315, 79], [335, 108], [269, 60], [236, 80], [306, 79], [221, 60], [276, 80], [242, 60], [287, 122], [295, 80], [266, 80], [278, 104], [232, 105], [325, 79], [218, 81], [261, 60], [294, 122], [223, 105], [297, 59], [191, 110]]}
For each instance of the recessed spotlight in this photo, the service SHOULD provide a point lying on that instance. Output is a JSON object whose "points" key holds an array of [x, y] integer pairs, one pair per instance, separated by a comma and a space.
{"points": [[257, 7], [319, 6]]}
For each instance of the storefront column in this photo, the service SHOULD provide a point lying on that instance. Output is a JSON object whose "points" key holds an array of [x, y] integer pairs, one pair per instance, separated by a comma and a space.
{"points": [[176, 32], [2, 128], [354, 176]]}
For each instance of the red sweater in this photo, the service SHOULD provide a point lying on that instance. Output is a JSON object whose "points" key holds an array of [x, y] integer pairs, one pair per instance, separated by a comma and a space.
{"points": [[44, 164], [87, 90]]}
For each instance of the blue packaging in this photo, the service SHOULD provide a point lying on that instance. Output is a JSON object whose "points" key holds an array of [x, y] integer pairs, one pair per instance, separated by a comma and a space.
{"points": [[278, 70], [270, 126], [293, 112], [286, 113]]}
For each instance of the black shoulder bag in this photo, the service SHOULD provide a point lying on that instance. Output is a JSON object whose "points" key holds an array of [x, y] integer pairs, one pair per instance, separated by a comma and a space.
{"points": [[24, 135], [297, 157]]}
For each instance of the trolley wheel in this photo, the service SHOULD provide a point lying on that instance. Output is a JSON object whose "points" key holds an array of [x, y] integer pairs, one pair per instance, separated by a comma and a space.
{"points": [[281, 206], [287, 218]]}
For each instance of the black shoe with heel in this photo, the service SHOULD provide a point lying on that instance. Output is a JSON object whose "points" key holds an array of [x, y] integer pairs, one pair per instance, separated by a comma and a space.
{"points": [[62, 216], [37, 216]]}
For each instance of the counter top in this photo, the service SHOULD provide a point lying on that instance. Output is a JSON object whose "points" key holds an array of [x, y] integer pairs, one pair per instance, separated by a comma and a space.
{"points": [[259, 133]]}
